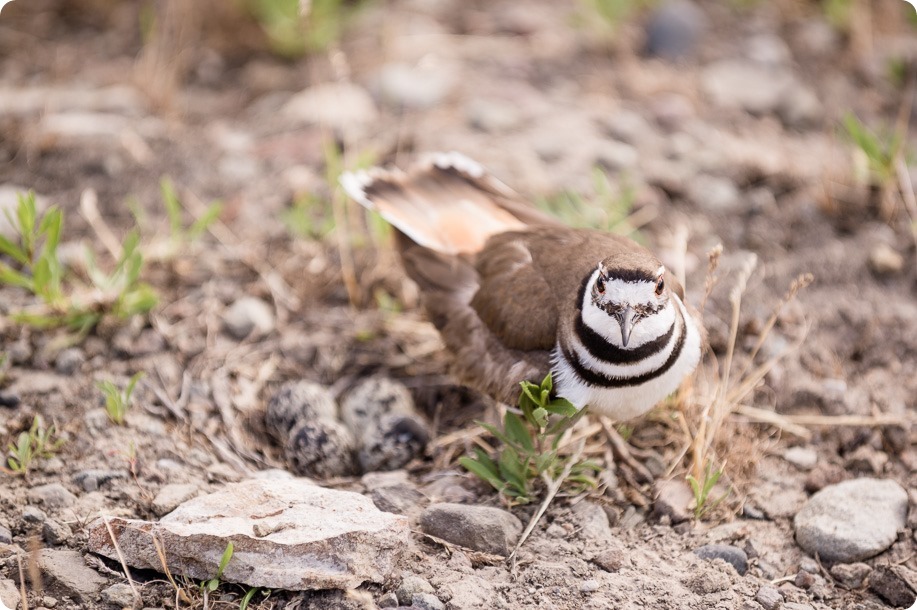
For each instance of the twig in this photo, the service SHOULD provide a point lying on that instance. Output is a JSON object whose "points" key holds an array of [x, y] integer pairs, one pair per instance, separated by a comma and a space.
{"points": [[796, 424], [127, 572], [553, 488], [89, 206], [621, 452], [22, 593]]}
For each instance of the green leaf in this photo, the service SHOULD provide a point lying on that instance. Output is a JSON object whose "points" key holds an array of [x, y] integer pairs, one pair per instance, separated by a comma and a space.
{"points": [[548, 383], [247, 598], [481, 471], [200, 225], [512, 469], [12, 250], [14, 278], [561, 406], [173, 206], [516, 430], [224, 560]]}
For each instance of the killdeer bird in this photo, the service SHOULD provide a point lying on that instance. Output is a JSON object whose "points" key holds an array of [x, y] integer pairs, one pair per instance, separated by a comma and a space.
{"points": [[516, 294]]}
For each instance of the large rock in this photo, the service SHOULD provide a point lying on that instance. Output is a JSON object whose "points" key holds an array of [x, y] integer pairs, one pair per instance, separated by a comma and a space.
{"points": [[286, 534], [853, 520], [481, 528]]}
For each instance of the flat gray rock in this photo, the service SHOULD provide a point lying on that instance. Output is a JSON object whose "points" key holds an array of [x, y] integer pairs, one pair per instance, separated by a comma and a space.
{"points": [[481, 528], [286, 534], [853, 520], [70, 572]]}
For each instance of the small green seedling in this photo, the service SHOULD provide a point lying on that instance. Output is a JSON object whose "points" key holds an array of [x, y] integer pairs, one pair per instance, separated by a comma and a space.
{"points": [[702, 489], [179, 234], [530, 447], [38, 270], [37, 442], [209, 586], [117, 401], [609, 209]]}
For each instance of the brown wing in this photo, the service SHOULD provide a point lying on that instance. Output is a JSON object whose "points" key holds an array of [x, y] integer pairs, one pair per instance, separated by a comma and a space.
{"points": [[514, 299]]}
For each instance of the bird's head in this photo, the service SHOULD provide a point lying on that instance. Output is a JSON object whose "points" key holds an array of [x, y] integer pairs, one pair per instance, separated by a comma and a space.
{"points": [[634, 294]]}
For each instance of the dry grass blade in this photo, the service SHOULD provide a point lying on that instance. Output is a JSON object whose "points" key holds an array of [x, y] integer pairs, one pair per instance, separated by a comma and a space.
{"points": [[796, 424], [22, 593], [621, 452], [180, 594], [127, 571]]}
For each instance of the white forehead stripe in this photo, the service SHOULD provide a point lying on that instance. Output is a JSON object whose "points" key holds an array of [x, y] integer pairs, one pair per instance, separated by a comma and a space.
{"points": [[660, 271]]}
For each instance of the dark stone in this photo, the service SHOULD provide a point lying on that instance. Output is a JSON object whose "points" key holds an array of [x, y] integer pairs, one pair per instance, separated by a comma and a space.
{"points": [[674, 29], [896, 585], [732, 555], [481, 528]]}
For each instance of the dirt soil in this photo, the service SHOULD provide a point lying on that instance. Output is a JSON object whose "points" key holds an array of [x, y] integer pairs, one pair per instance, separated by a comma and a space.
{"points": [[541, 95]]}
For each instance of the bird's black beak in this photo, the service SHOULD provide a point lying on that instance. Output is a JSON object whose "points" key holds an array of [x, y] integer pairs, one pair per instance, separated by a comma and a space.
{"points": [[627, 320]]}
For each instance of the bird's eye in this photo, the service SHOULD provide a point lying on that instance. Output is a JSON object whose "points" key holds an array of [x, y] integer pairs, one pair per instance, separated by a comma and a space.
{"points": [[600, 284], [660, 287]]}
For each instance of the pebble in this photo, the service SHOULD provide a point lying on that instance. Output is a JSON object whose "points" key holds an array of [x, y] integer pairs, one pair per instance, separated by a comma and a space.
{"points": [[896, 584], [120, 595], [33, 514], [744, 84], [493, 116], [714, 194], [172, 495], [342, 106], [9, 594], [399, 499], [803, 458], [674, 29], [592, 521], [248, 316], [885, 260], [767, 49], [410, 586], [851, 575], [769, 597], [52, 495], [800, 107], [55, 533], [732, 555], [69, 361], [610, 560], [91, 480], [481, 528], [673, 497], [402, 85], [853, 520], [804, 580], [589, 586], [426, 601], [6, 536], [388, 600]]}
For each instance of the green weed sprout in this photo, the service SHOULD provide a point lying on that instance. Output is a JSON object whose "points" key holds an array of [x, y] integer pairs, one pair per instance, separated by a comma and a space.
{"points": [[117, 401], [701, 489], [530, 447], [37, 442]]}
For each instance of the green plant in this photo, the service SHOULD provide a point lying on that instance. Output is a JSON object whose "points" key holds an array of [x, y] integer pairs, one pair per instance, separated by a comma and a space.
{"points": [[881, 153], [117, 401], [247, 598], [292, 34], [610, 13], [702, 489], [530, 452], [40, 272], [179, 234], [37, 442], [209, 586], [610, 209]]}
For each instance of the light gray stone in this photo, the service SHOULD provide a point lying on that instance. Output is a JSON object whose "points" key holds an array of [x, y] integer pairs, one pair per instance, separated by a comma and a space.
{"points": [[9, 594], [52, 495], [673, 499], [55, 533], [410, 586], [120, 595], [714, 194], [172, 495], [769, 597], [415, 86], [6, 536], [885, 260], [853, 520], [287, 534], [592, 521], [247, 316], [803, 458], [344, 106], [91, 480], [851, 575], [481, 528], [70, 572], [33, 514], [589, 586], [427, 601], [69, 361], [738, 83]]}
